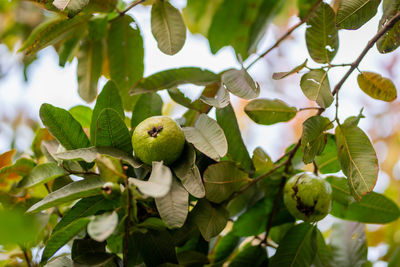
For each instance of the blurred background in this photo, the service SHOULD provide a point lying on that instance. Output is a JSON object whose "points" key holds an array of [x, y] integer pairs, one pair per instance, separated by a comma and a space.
{"points": [[26, 84]]}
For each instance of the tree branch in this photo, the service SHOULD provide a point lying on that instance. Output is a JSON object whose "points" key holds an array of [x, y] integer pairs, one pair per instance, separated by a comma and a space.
{"points": [[287, 34], [26, 256], [130, 6], [127, 224], [370, 44]]}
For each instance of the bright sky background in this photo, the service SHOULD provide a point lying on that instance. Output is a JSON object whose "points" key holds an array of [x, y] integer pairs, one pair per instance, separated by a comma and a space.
{"points": [[51, 84]]}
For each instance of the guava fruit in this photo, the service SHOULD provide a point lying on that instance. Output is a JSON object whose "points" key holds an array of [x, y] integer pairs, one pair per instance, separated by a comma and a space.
{"points": [[308, 197], [158, 138]]}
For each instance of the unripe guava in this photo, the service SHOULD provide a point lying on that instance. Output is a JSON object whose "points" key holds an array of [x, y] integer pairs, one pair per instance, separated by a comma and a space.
{"points": [[158, 138], [308, 197]]}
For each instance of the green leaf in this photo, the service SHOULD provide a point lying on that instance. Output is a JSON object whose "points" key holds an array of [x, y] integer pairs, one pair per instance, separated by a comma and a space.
{"points": [[357, 159], [304, 6], [220, 100], [269, 111], [237, 150], [254, 220], [108, 98], [42, 174], [84, 208], [262, 161], [172, 78], [111, 131], [147, 105], [313, 139], [179, 97], [90, 154], [125, 56], [186, 170], [73, 5], [82, 114], [281, 75], [50, 32], [376, 86], [324, 254], [69, 48], [372, 208], [352, 14], [90, 186], [63, 127], [167, 27], [17, 227], [240, 83], [192, 258], [322, 35], [389, 41], [159, 183], [315, 86], [90, 60], [208, 137], [102, 226], [222, 180], [174, 206], [395, 258], [89, 252], [327, 162], [250, 256], [60, 261], [210, 219], [348, 243], [60, 238], [297, 247], [226, 246]]}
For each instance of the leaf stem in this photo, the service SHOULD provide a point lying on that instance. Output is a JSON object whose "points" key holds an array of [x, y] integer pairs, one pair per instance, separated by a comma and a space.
{"points": [[130, 6], [26, 256], [127, 224], [286, 35]]}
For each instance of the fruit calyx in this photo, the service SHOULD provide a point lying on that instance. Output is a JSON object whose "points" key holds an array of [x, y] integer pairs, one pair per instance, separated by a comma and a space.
{"points": [[154, 131]]}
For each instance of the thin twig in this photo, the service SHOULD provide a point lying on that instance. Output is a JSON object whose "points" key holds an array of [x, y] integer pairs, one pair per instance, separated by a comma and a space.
{"points": [[127, 224], [316, 170], [27, 260], [287, 34], [130, 6], [370, 44], [310, 108]]}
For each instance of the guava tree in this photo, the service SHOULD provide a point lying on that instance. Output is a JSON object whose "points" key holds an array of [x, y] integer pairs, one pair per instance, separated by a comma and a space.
{"points": [[121, 185]]}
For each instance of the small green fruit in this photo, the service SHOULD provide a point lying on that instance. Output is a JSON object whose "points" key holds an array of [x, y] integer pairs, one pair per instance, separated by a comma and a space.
{"points": [[158, 138], [111, 190], [308, 197]]}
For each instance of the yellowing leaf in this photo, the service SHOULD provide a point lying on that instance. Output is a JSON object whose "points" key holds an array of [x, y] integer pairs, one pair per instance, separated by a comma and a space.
{"points": [[6, 158], [376, 86]]}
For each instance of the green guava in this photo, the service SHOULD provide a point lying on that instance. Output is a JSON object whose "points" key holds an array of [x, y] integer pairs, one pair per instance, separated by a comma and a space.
{"points": [[158, 138], [308, 197]]}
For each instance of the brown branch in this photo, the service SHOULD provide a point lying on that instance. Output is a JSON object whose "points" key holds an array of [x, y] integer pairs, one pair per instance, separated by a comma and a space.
{"points": [[130, 6], [26, 256], [127, 224], [287, 34], [389, 25]]}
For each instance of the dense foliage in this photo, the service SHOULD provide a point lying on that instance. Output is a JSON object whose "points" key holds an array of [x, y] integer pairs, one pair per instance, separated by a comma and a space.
{"points": [[217, 204]]}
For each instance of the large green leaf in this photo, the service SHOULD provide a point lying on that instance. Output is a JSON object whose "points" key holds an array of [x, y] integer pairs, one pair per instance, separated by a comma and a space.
{"points": [[237, 150], [167, 27], [159, 183], [147, 105], [352, 14], [108, 98], [327, 162], [90, 60], [222, 180], [41, 174], [254, 220], [50, 32], [269, 111], [372, 208], [171, 78], [322, 35], [226, 246], [297, 247], [240, 83], [63, 261], [83, 114], [313, 139], [389, 41], [90, 186], [186, 170], [89, 252], [60, 238], [250, 255], [376, 86], [208, 137], [102, 226], [125, 56], [357, 159], [210, 219], [348, 243], [304, 6], [324, 254], [63, 127], [84, 208], [111, 131], [17, 227], [315, 86], [69, 48], [174, 206]]}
